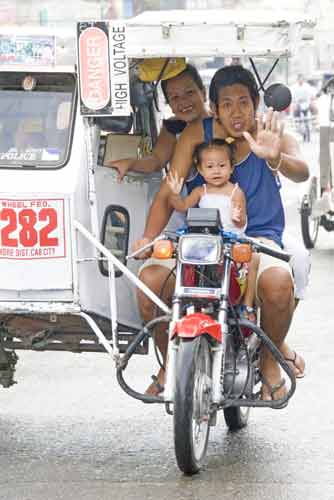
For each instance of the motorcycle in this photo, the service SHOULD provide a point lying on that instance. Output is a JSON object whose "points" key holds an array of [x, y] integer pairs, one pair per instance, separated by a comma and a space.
{"points": [[66, 223], [213, 354]]}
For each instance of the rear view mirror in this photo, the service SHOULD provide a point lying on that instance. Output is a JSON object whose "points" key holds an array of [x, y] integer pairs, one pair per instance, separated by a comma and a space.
{"points": [[115, 235], [277, 96]]}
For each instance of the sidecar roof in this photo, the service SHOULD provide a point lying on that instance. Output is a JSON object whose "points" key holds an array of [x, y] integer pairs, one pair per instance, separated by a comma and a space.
{"points": [[222, 32]]}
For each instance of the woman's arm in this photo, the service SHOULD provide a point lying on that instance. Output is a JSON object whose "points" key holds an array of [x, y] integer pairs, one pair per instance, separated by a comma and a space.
{"points": [[160, 156], [181, 163]]}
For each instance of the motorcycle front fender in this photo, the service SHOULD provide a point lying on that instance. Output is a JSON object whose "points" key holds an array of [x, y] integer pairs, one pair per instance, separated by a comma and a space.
{"points": [[194, 325]]}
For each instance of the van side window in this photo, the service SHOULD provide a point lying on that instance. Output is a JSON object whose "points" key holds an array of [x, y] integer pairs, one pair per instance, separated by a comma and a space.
{"points": [[115, 235]]}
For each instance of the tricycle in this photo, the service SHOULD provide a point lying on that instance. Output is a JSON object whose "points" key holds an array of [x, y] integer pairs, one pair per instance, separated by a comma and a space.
{"points": [[66, 224]]}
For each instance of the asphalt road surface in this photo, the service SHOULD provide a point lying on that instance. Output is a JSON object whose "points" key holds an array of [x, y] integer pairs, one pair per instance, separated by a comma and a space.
{"points": [[67, 431]]}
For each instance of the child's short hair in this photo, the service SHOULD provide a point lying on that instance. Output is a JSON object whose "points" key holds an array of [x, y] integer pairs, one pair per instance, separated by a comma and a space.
{"points": [[214, 143]]}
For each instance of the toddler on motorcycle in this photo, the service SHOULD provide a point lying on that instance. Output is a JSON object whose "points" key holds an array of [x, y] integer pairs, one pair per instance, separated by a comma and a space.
{"points": [[214, 162]]}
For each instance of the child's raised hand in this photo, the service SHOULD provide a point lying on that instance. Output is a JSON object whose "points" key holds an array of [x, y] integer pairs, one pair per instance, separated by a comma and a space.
{"points": [[174, 182], [236, 213]]}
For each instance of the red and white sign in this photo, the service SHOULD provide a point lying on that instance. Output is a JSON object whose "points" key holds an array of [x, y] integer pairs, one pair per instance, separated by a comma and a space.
{"points": [[94, 68], [32, 229]]}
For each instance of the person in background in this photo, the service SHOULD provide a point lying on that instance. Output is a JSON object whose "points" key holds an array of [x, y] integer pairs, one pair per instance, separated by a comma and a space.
{"points": [[303, 98]]}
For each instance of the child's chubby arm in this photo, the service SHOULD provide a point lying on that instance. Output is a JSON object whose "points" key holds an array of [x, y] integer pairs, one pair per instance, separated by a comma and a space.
{"points": [[175, 184], [239, 213]]}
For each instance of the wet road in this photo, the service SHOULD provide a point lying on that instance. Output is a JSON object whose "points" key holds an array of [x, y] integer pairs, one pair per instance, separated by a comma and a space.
{"points": [[68, 432]]}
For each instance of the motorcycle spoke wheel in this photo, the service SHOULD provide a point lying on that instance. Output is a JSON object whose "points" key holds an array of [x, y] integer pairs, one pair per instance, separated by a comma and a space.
{"points": [[192, 403]]}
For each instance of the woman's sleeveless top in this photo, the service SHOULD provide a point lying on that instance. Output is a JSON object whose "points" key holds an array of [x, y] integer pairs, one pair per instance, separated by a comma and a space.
{"points": [[265, 211]]}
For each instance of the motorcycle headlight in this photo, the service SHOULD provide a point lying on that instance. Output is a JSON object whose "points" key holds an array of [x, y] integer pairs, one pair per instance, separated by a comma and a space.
{"points": [[200, 249]]}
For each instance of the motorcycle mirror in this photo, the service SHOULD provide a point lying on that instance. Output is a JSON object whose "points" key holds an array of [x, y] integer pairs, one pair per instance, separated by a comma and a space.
{"points": [[277, 96]]}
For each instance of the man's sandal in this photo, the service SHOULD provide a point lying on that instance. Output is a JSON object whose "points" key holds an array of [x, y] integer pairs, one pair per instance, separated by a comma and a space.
{"points": [[298, 364], [273, 389]]}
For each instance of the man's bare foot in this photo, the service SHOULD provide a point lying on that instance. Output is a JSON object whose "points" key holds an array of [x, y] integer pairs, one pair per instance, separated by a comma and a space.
{"points": [[296, 363], [271, 392], [157, 385]]}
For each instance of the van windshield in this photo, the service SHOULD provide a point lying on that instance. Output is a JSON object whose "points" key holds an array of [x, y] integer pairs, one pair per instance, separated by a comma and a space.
{"points": [[36, 121]]}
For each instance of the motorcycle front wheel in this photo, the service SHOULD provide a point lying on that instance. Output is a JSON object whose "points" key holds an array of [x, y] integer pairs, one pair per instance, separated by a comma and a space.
{"points": [[192, 403]]}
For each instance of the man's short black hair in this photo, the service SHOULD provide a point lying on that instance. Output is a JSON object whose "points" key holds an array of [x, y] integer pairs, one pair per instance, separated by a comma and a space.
{"points": [[214, 143], [231, 75], [189, 70]]}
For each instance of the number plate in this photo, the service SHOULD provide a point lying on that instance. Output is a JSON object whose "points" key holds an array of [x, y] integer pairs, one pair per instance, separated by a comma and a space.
{"points": [[32, 229]]}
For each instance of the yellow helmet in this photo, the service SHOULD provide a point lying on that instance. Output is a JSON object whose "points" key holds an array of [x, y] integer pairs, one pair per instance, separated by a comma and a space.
{"points": [[161, 68]]}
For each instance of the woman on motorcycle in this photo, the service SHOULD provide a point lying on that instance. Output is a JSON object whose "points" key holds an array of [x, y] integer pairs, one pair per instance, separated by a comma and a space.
{"points": [[186, 96]]}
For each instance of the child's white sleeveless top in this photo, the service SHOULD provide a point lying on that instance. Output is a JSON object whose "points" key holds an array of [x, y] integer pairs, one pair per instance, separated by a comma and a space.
{"points": [[224, 204]]}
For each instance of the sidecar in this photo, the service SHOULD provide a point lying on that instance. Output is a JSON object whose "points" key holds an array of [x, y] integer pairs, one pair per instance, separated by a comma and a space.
{"points": [[317, 206], [66, 224]]}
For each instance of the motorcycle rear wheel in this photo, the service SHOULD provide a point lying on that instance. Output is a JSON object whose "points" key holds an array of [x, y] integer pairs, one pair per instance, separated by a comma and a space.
{"points": [[192, 403], [236, 417]]}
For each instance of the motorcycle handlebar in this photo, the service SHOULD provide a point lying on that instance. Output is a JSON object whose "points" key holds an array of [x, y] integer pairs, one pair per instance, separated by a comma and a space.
{"points": [[257, 245], [274, 252]]}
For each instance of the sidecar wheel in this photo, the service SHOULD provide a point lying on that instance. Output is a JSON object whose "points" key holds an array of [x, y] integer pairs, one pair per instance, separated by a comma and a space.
{"points": [[236, 418], [310, 228], [309, 225], [192, 403]]}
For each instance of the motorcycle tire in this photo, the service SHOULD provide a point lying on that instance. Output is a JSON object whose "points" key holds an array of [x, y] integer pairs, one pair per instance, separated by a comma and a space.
{"points": [[192, 403], [236, 417]]}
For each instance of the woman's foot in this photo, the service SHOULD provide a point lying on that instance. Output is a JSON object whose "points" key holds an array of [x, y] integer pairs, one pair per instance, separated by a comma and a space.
{"points": [[157, 386]]}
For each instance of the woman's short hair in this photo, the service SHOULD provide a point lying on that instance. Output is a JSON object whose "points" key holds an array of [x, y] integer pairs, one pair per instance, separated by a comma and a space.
{"points": [[189, 70]]}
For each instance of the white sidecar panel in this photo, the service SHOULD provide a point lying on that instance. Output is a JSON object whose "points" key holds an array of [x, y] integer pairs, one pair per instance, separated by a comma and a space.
{"points": [[134, 195], [35, 251]]}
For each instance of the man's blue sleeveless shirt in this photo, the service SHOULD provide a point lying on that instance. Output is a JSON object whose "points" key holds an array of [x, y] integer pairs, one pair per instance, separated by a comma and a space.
{"points": [[262, 190]]}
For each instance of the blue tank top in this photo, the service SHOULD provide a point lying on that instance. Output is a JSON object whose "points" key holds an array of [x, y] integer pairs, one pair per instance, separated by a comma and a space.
{"points": [[262, 190]]}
